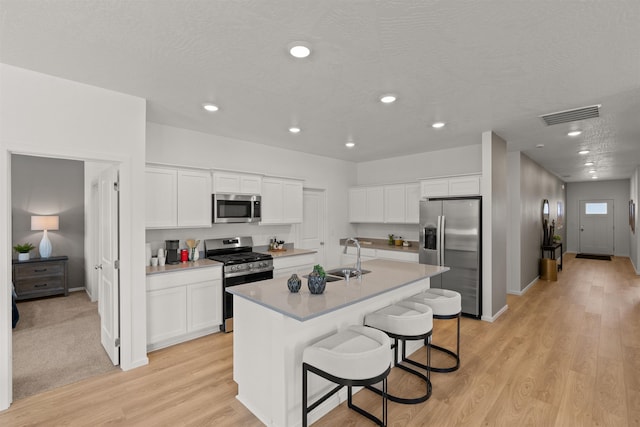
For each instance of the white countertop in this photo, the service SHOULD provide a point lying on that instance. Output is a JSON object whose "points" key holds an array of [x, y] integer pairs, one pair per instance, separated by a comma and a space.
{"points": [[183, 266], [288, 252], [385, 276]]}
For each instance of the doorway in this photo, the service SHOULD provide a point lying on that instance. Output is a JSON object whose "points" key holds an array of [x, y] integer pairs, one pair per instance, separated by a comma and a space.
{"points": [[311, 233], [596, 227], [74, 326]]}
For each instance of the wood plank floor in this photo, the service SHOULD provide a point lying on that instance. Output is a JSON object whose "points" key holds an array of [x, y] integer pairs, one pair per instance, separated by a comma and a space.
{"points": [[566, 353]]}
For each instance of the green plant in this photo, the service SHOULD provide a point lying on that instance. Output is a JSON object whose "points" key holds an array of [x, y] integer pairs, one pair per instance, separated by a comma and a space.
{"points": [[557, 238], [318, 269], [23, 248], [391, 239]]}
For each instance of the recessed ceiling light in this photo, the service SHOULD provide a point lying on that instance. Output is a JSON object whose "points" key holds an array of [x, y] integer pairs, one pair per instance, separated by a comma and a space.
{"points": [[594, 177], [583, 152], [592, 171], [350, 144], [210, 107], [387, 99], [438, 125], [294, 129], [299, 50], [539, 145], [574, 133], [589, 164]]}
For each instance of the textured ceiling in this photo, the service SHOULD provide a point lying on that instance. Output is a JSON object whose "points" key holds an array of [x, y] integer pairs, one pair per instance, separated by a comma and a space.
{"points": [[478, 66]]}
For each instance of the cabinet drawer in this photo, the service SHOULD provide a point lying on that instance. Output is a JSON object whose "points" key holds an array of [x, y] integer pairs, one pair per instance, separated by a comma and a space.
{"points": [[25, 286], [28, 271]]}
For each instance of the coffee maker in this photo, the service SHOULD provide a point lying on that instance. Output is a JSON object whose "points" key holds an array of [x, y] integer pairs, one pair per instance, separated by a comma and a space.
{"points": [[173, 252]]}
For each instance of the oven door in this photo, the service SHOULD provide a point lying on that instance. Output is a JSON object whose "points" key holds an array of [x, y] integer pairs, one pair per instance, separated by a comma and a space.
{"points": [[229, 208], [227, 298]]}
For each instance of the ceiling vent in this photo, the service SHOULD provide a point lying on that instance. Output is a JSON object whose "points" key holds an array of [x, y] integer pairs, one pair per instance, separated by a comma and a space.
{"points": [[567, 116]]}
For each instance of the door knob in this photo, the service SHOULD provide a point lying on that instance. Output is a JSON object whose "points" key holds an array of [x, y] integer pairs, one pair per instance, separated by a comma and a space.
{"points": [[98, 267], [581, 228]]}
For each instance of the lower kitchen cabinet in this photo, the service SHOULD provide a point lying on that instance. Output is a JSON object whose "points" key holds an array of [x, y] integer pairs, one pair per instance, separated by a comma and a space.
{"points": [[369, 253], [183, 305], [286, 266]]}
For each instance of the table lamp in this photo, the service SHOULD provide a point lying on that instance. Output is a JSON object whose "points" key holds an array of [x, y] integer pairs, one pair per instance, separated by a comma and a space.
{"points": [[45, 223]]}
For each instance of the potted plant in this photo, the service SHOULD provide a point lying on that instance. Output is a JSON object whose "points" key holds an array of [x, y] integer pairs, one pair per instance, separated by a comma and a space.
{"points": [[317, 280], [23, 250], [391, 239], [557, 238]]}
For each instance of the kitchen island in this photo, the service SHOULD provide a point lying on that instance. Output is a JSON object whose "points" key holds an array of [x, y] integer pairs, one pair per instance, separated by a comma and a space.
{"points": [[272, 327]]}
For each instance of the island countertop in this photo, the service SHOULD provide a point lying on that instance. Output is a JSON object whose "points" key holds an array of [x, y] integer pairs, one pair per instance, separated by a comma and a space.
{"points": [[385, 276]]}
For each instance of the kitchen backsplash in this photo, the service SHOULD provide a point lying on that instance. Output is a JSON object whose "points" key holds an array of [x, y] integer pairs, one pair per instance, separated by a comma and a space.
{"points": [[382, 231], [261, 234]]}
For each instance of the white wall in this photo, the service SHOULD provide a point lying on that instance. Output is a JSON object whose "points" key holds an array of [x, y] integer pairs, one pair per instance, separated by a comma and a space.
{"points": [[634, 238], [181, 147], [494, 226], [514, 213], [616, 190], [45, 115]]}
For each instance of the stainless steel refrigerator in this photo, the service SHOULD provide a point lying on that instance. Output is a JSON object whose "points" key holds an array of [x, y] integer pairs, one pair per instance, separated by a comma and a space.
{"points": [[451, 235]]}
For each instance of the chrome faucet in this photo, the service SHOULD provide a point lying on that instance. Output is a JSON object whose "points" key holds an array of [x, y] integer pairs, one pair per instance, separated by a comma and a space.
{"points": [[358, 263]]}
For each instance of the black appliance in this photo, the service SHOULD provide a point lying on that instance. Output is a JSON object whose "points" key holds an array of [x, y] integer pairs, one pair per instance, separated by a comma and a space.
{"points": [[173, 251], [236, 208], [241, 265]]}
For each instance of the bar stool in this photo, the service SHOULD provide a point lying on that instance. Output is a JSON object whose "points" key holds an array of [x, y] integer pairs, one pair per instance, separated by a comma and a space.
{"points": [[405, 321], [446, 304], [357, 356]]}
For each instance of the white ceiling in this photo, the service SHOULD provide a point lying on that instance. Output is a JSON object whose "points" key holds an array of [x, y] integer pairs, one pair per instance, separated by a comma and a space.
{"points": [[477, 65]]}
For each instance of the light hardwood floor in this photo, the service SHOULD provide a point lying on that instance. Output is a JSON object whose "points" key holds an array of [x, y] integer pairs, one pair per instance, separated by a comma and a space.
{"points": [[566, 353]]}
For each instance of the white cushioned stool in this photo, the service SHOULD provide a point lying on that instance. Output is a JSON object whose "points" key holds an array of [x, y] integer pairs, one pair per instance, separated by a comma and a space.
{"points": [[405, 321], [446, 304], [357, 356]]}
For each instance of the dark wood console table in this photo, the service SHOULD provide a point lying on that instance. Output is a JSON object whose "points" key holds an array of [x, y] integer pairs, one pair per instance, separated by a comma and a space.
{"points": [[40, 277], [551, 249]]}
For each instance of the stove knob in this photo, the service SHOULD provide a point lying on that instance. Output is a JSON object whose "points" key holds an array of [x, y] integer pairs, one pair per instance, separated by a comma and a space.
{"points": [[250, 265], [233, 268]]}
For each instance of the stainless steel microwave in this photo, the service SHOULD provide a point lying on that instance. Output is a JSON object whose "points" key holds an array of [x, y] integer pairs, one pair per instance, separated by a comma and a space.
{"points": [[236, 208]]}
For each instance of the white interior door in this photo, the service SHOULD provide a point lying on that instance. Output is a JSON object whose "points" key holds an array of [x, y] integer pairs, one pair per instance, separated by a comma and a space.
{"points": [[109, 299], [312, 229], [596, 227]]}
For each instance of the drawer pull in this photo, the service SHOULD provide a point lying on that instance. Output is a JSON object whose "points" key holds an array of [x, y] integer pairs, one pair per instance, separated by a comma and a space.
{"points": [[42, 285], [40, 270]]}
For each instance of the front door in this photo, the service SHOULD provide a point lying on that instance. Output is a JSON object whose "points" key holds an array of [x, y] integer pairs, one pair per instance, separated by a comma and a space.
{"points": [[596, 227], [312, 228], [109, 284]]}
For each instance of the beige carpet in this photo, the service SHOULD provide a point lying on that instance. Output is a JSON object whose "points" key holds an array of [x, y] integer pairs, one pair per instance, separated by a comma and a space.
{"points": [[56, 342]]}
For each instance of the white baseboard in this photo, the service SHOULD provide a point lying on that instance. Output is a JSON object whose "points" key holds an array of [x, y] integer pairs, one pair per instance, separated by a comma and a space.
{"points": [[493, 318]]}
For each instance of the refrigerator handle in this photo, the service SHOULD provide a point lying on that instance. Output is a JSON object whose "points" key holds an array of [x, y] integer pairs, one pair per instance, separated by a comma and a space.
{"points": [[438, 243], [442, 242]]}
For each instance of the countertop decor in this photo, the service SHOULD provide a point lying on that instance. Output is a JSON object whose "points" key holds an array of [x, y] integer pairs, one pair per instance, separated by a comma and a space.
{"points": [[168, 268]]}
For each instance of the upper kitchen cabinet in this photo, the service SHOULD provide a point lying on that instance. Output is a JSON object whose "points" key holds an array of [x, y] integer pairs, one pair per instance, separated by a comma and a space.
{"points": [[177, 198], [281, 201], [401, 203], [236, 183], [467, 185], [366, 204]]}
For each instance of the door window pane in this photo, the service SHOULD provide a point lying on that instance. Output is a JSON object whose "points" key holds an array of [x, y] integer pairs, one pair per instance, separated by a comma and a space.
{"points": [[595, 208]]}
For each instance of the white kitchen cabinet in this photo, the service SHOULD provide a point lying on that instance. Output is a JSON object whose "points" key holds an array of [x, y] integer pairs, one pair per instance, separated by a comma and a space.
{"points": [[236, 183], [412, 203], [350, 258], [177, 198], [397, 255], [183, 305], [281, 201], [394, 203], [369, 253], [366, 204], [161, 197], [286, 266], [467, 185], [194, 198]]}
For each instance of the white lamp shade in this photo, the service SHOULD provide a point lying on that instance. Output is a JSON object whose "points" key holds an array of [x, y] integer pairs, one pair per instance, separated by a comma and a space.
{"points": [[40, 222]]}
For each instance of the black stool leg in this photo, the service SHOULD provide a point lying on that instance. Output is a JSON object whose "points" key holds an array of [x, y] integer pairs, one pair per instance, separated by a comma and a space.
{"points": [[456, 355]]}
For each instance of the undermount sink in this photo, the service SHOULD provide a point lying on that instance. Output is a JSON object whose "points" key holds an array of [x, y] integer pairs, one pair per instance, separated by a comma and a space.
{"points": [[342, 272], [329, 278]]}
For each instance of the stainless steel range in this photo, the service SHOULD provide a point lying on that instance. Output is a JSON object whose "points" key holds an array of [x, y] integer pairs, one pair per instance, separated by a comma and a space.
{"points": [[241, 265]]}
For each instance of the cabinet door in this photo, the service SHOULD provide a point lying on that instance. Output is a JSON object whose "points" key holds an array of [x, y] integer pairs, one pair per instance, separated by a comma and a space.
{"points": [[394, 204], [250, 184], [434, 188], [272, 201], [166, 314], [285, 266], [397, 255], [412, 203], [224, 182], [375, 204], [292, 202], [194, 199], [357, 204], [161, 198], [464, 186], [204, 305]]}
